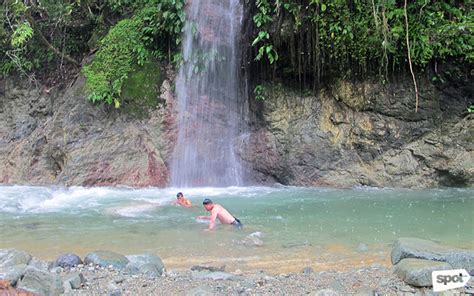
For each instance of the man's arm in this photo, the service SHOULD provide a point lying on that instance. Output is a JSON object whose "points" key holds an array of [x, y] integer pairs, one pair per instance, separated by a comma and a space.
{"points": [[204, 217], [212, 220]]}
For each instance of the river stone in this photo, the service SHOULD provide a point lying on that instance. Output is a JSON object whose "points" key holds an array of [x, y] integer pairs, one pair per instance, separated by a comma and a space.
{"points": [[39, 264], [68, 260], [12, 273], [425, 249], [325, 292], [75, 280], [218, 275], [150, 265], [208, 268], [12, 257], [307, 270], [200, 291], [106, 258], [41, 282], [417, 272]]}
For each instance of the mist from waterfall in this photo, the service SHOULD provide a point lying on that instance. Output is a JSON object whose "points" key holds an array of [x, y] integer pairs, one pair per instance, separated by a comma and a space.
{"points": [[209, 101]]}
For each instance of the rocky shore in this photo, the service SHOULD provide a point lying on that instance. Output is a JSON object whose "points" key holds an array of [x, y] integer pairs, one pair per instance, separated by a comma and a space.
{"points": [[108, 273]]}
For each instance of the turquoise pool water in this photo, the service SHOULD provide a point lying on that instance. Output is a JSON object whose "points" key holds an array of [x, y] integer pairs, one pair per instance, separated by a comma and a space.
{"points": [[289, 227]]}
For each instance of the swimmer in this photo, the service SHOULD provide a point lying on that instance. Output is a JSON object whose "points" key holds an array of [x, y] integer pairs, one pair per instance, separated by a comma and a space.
{"points": [[217, 211], [181, 200]]}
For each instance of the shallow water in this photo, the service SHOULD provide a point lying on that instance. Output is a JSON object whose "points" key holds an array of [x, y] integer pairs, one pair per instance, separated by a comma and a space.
{"points": [[319, 227]]}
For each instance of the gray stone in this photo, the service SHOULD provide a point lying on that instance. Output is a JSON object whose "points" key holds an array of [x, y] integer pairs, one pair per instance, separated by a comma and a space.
{"points": [[200, 291], [218, 275], [208, 268], [12, 257], [12, 273], [307, 270], [417, 272], [41, 282], [114, 290], [68, 260], [324, 292], [75, 280], [150, 265], [39, 264], [106, 258], [425, 249]]}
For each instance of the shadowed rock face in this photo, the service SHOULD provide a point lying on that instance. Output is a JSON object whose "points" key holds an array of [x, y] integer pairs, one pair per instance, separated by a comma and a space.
{"points": [[354, 134], [362, 134], [58, 137]]}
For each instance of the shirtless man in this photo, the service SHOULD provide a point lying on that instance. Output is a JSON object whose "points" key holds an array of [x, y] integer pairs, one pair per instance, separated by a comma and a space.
{"points": [[217, 211], [183, 201]]}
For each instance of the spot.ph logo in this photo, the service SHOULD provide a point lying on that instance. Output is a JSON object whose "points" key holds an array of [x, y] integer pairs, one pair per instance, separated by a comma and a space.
{"points": [[449, 279]]}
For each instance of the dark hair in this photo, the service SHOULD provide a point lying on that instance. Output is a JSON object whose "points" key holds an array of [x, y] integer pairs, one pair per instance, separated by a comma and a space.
{"points": [[179, 194], [207, 201]]}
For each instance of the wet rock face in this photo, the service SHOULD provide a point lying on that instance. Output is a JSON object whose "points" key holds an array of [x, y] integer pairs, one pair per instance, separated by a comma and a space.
{"points": [[58, 137], [363, 134]]}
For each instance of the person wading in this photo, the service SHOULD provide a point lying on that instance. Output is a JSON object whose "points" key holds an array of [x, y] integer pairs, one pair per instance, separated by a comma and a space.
{"points": [[219, 212]]}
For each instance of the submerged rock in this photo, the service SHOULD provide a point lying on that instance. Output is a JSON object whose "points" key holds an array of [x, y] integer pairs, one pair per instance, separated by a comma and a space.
{"points": [[417, 272], [252, 240], [106, 258]]}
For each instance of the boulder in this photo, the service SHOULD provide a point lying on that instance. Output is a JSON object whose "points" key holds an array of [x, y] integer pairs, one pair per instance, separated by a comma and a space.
{"points": [[41, 282], [12, 257], [12, 273], [13, 264], [424, 249], [417, 272], [106, 258], [150, 265], [68, 260]]}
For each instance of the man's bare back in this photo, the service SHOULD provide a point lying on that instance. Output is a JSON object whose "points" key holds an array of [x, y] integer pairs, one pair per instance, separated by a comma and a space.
{"points": [[218, 212]]}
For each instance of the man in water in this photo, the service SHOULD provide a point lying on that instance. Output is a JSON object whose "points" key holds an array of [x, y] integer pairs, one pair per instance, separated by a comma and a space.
{"points": [[217, 211], [181, 200]]}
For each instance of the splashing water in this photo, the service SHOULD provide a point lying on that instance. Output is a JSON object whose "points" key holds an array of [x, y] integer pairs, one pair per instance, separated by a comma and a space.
{"points": [[209, 99]]}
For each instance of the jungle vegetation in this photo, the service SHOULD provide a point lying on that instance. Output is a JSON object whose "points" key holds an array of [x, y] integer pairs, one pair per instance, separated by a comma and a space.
{"points": [[306, 42]]}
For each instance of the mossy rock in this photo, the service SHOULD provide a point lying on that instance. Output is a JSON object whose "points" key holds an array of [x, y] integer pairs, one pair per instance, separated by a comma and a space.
{"points": [[141, 90]]}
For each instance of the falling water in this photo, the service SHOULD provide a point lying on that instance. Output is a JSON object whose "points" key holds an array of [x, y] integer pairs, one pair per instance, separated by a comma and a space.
{"points": [[209, 100]]}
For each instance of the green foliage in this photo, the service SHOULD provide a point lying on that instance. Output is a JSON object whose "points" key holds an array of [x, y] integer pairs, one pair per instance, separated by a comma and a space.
{"points": [[470, 109], [119, 51], [318, 39], [259, 92], [131, 42], [22, 33], [261, 19]]}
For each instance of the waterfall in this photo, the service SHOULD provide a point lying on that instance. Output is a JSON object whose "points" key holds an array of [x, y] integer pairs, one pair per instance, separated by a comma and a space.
{"points": [[209, 101]]}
